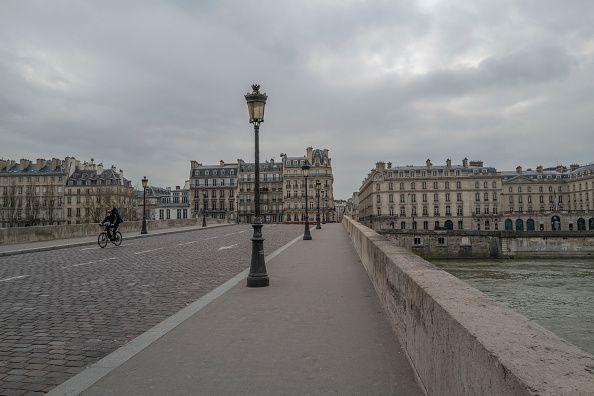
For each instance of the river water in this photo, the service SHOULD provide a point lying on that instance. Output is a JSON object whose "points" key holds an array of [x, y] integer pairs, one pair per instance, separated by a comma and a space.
{"points": [[557, 294]]}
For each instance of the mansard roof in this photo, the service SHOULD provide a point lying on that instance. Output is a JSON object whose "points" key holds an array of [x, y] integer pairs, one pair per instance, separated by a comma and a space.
{"points": [[93, 177], [32, 168], [585, 169], [264, 167]]}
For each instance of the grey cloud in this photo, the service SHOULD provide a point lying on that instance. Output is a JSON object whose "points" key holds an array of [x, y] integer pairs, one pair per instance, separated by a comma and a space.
{"points": [[150, 85]]}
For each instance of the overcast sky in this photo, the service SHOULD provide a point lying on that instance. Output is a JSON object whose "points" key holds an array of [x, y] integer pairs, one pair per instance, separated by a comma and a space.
{"points": [[150, 85]]}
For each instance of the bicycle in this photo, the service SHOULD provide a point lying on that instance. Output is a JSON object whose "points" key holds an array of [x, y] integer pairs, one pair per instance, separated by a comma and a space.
{"points": [[103, 238]]}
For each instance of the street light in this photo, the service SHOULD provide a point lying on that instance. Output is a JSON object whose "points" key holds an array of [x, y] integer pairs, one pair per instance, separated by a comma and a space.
{"points": [[324, 215], [144, 186], [204, 195], [306, 233], [318, 226], [256, 101]]}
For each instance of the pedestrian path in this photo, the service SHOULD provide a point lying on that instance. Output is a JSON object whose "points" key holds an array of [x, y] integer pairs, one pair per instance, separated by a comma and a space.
{"points": [[317, 329], [18, 248]]}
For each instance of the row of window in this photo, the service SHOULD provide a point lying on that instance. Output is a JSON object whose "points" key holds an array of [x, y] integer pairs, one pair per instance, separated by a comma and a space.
{"points": [[165, 214], [413, 185]]}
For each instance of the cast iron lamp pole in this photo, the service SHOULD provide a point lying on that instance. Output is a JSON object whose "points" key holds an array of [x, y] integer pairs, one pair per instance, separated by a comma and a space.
{"points": [[306, 233], [324, 219], [257, 277], [318, 226], [144, 185]]}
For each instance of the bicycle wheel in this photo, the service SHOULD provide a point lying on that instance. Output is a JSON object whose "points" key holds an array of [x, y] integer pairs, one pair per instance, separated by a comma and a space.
{"points": [[118, 239], [102, 240]]}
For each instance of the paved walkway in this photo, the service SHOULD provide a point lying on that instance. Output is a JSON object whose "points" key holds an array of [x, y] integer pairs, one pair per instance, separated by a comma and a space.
{"points": [[318, 329], [64, 243]]}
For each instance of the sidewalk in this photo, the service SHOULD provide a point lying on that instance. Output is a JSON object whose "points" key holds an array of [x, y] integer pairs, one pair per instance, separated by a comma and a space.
{"points": [[318, 329], [31, 247]]}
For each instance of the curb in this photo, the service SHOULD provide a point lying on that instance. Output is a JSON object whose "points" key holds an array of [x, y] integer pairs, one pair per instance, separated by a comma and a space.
{"points": [[76, 244]]}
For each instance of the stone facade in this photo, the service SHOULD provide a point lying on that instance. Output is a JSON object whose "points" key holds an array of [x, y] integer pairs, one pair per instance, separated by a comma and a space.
{"points": [[294, 186], [430, 197], [271, 191], [32, 193], [282, 187], [164, 203], [213, 189], [475, 197], [56, 192], [549, 199], [91, 191]]}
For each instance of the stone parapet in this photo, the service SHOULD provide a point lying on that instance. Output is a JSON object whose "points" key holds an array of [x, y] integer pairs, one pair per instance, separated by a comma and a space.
{"points": [[47, 233], [460, 341]]}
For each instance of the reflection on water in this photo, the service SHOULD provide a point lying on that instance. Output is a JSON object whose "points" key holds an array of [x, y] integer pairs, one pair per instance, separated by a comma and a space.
{"points": [[557, 294]]}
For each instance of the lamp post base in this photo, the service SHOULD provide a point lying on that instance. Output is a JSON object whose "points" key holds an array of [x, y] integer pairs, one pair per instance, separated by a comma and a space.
{"points": [[258, 276], [143, 230], [203, 221], [318, 226], [306, 233]]}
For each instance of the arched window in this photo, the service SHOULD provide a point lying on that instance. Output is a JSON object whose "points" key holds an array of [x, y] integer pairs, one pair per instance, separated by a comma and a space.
{"points": [[509, 225], [555, 223], [519, 225], [581, 224], [449, 225], [530, 225]]}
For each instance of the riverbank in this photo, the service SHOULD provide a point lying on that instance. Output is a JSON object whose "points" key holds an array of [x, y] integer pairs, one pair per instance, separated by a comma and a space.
{"points": [[460, 244]]}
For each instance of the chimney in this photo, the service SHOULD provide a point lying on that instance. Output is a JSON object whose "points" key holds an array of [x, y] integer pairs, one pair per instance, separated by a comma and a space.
{"points": [[449, 163], [465, 162], [24, 163], [177, 187], [389, 165], [40, 163], [99, 169], [559, 168], [539, 168], [573, 167], [309, 154], [428, 163], [518, 170], [221, 163], [380, 166]]}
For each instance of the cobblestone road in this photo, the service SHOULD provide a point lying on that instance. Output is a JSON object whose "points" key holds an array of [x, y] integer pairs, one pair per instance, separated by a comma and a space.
{"points": [[62, 310]]}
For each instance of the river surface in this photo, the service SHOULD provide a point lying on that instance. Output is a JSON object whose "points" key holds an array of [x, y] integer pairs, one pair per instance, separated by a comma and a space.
{"points": [[557, 294]]}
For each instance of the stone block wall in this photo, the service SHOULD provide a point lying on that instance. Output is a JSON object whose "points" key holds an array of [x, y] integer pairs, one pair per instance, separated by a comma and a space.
{"points": [[458, 340]]}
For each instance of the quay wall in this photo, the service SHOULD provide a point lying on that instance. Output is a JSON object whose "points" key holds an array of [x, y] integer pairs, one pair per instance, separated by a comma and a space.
{"points": [[460, 341], [456, 244], [14, 235]]}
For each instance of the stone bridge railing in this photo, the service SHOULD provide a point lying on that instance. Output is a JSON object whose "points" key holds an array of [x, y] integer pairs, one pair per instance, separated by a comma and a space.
{"points": [[45, 233], [459, 341]]}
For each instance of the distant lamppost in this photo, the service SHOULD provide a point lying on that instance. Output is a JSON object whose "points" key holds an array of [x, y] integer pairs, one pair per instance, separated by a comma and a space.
{"points": [[237, 209], [324, 216], [205, 194], [256, 101], [306, 233], [318, 226], [144, 186]]}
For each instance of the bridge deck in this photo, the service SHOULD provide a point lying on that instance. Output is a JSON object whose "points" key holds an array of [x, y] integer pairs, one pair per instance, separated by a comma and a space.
{"points": [[317, 329]]}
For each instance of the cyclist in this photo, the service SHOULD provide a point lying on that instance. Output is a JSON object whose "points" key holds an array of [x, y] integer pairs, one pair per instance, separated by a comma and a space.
{"points": [[114, 219]]}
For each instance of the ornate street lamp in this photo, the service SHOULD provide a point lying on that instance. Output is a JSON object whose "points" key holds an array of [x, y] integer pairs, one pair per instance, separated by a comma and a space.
{"points": [[144, 186], [256, 101], [318, 226], [306, 233]]}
